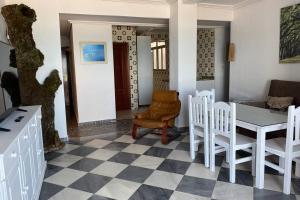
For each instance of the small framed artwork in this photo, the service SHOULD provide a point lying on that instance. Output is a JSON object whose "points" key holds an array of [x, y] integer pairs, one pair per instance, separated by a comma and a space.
{"points": [[93, 52]]}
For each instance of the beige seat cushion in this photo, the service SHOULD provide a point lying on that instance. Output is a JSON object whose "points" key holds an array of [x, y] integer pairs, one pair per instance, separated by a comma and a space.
{"points": [[281, 103]]}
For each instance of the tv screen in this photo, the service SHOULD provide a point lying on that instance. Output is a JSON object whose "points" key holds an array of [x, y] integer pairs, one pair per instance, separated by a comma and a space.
{"points": [[9, 90]]}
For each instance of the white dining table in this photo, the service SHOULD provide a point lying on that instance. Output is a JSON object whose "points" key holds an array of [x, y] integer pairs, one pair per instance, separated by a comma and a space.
{"points": [[261, 121]]}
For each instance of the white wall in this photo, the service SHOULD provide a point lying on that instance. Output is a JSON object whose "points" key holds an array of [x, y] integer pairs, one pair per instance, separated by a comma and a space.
{"points": [[220, 84], [255, 31], [216, 13], [94, 82], [145, 70], [183, 51], [47, 35], [5, 101], [114, 8], [2, 24]]}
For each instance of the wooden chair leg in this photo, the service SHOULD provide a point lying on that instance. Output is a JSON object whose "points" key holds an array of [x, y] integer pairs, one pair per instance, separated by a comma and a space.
{"points": [[134, 131], [164, 136]]}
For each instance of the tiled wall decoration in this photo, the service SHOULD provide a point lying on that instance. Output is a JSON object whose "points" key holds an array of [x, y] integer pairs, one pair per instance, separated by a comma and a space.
{"points": [[161, 77], [128, 34], [205, 54]]}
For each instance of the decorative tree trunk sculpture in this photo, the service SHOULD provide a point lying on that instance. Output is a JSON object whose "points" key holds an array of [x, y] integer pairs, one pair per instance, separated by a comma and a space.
{"points": [[19, 20]]}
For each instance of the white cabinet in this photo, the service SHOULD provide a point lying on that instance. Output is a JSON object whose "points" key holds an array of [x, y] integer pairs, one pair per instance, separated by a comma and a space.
{"points": [[22, 162]]}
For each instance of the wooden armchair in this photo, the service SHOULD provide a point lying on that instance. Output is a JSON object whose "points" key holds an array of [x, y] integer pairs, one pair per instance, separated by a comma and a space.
{"points": [[161, 114]]}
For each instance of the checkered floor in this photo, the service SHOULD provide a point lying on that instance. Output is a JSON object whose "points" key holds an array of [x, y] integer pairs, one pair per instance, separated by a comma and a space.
{"points": [[118, 167]]}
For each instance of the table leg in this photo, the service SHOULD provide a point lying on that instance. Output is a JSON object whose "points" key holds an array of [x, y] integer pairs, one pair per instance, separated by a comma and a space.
{"points": [[297, 172], [260, 158]]}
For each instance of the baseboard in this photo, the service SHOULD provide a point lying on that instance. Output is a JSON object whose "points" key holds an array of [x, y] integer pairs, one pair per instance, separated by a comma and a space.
{"points": [[181, 129], [65, 139], [94, 123]]}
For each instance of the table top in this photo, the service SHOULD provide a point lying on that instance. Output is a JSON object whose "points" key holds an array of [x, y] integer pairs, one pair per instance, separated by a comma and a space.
{"points": [[259, 116]]}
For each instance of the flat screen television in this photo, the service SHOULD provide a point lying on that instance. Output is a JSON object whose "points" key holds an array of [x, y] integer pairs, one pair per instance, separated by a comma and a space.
{"points": [[9, 90]]}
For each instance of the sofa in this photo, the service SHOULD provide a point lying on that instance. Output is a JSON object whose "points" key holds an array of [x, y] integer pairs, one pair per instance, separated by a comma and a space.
{"points": [[278, 88]]}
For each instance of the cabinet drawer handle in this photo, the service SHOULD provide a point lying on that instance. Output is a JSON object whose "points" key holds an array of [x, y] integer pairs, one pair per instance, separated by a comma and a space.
{"points": [[33, 125], [25, 137], [26, 188], [13, 155]]}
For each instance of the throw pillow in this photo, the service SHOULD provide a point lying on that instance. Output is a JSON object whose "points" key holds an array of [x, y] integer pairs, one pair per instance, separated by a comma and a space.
{"points": [[280, 103]]}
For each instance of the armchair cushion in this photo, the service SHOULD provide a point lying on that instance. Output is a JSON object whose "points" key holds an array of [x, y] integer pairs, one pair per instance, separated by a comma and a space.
{"points": [[142, 115], [169, 117], [164, 109], [148, 123]]}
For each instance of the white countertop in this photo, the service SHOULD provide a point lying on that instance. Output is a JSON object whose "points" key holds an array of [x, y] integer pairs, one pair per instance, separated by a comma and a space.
{"points": [[7, 138]]}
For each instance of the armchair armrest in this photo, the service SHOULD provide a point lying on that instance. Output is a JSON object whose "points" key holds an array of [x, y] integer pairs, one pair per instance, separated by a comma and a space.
{"points": [[169, 117], [141, 115]]}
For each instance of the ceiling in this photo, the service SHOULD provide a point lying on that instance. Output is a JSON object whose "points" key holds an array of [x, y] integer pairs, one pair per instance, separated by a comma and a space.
{"points": [[211, 2], [147, 23], [65, 19]]}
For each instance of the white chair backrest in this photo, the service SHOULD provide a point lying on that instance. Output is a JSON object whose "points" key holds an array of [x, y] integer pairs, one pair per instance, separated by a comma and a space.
{"points": [[209, 94], [293, 128], [198, 111], [223, 120]]}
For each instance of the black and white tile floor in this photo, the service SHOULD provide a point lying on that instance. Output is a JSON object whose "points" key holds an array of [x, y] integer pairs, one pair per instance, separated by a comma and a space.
{"points": [[118, 167]]}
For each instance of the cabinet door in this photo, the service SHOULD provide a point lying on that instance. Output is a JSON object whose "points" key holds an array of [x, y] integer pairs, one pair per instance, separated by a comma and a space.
{"points": [[39, 144], [34, 150], [3, 193], [14, 185], [26, 164]]}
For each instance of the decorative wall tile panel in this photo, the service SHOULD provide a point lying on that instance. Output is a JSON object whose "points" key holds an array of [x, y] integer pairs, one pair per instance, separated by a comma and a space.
{"points": [[128, 34], [205, 54]]}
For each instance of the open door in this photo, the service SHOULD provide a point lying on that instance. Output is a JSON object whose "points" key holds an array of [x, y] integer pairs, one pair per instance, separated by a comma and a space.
{"points": [[145, 70], [121, 68]]}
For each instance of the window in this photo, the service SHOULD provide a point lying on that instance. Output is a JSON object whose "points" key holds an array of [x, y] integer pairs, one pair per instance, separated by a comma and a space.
{"points": [[158, 50]]}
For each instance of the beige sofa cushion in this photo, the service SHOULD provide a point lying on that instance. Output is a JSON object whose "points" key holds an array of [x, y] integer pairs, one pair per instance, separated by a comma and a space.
{"points": [[281, 103]]}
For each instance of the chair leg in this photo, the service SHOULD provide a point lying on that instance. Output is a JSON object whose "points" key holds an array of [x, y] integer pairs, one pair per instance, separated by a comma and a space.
{"points": [[232, 165], [164, 137], [212, 154], [206, 149], [253, 159], [287, 176], [297, 170], [196, 144], [281, 163], [227, 155], [134, 131], [192, 144]]}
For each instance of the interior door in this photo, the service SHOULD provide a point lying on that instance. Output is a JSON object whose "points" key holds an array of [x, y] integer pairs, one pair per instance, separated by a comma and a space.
{"points": [[122, 85], [145, 70]]}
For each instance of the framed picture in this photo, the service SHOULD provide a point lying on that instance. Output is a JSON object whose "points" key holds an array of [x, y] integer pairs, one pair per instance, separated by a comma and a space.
{"points": [[290, 34], [93, 52]]}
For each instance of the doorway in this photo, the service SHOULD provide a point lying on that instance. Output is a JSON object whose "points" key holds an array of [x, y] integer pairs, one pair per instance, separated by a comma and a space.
{"points": [[121, 69]]}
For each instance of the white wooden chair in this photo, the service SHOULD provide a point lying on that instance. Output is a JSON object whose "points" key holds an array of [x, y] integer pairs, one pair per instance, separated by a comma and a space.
{"points": [[287, 148], [198, 122], [223, 137]]}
